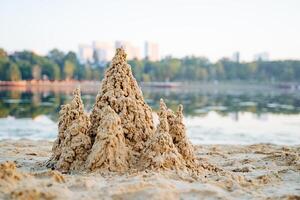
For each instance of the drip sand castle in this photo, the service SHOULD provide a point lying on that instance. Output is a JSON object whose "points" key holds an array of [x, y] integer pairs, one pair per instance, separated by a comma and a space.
{"points": [[119, 135]]}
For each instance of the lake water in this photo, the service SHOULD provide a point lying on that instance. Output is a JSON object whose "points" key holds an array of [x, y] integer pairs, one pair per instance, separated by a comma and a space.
{"points": [[212, 115]]}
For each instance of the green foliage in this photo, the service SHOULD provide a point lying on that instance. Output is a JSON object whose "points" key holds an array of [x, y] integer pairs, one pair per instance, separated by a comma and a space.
{"points": [[88, 72], [58, 66], [50, 69], [36, 72], [13, 73], [57, 56], [69, 69], [4, 62], [137, 68]]}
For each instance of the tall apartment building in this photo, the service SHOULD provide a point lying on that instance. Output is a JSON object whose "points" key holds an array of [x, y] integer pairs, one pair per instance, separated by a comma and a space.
{"points": [[263, 56], [236, 57], [151, 51], [131, 50], [104, 52], [101, 53], [85, 53]]}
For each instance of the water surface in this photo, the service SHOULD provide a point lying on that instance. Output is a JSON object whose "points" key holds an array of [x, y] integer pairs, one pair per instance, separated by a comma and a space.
{"points": [[212, 115]]}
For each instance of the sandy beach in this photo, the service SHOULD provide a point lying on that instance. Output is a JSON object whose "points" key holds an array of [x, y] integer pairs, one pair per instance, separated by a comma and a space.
{"points": [[261, 171]]}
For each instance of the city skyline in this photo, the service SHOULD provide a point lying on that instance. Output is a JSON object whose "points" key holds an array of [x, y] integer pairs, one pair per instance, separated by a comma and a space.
{"points": [[214, 29], [102, 51]]}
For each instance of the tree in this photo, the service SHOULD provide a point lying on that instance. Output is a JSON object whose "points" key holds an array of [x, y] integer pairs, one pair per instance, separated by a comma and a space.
{"points": [[201, 74], [49, 68], [4, 61], [137, 68], [57, 56], [88, 72], [36, 72], [78, 71], [69, 69], [220, 74], [3, 54], [96, 74], [13, 73]]}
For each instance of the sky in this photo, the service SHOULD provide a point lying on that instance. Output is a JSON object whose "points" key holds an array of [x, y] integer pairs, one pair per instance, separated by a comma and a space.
{"points": [[210, 28]]}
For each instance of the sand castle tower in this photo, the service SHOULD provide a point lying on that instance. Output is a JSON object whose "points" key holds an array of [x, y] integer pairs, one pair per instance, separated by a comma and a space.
{"points": [[120, 91], [178, 134], [160, 151], [109, 152], [72, 143]]}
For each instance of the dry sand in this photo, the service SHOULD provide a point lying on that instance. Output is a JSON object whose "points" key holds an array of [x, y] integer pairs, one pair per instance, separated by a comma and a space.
{"points": [[248, 172]]}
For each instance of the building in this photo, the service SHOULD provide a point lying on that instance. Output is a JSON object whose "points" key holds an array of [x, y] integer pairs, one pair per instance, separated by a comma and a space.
{"points": [[263, 56], [131, 50], [100, 53], [85, 53], [236, 57], [103, 52], [151, 51]]}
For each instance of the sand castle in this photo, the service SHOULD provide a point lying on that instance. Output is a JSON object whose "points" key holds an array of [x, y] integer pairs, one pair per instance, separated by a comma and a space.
{"points": [[119, 135]]}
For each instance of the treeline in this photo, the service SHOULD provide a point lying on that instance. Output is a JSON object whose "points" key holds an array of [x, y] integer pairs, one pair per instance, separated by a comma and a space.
{"points": [[201, 69], [57, 65]]}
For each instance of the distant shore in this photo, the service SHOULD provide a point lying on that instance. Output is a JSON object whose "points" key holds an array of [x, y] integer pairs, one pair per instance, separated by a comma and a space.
{"points": [[64, 83], [92, 86]]}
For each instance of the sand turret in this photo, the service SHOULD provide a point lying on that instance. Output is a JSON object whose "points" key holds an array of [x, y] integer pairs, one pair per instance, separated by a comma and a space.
{"points": [[178, 134], [109, 151], [71, 146], [120, 91], [160, 151]]}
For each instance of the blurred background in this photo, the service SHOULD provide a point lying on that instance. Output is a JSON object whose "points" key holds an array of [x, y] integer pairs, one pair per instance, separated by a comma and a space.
{"points": [[234, 65]]}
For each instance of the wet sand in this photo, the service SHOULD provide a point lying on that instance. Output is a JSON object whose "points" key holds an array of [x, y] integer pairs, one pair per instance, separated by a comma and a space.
{"points": [[261, 171]]}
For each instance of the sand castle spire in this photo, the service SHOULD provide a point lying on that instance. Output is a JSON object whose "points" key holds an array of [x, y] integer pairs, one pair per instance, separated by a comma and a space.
{"points": [[77, 101], [179, 112], [160, 152], [163, 122], [120, 56], [109, 151], [72, 122], [120, 91], [178, 134]]}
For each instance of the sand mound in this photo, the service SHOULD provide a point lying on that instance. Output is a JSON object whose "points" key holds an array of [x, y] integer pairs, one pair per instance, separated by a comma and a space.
{"points": [[32, 194], [24, 185], [11, 179], [8, 175], [119, 135]]}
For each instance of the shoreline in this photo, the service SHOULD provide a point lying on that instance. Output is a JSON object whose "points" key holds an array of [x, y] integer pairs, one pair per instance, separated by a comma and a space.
{"points": [[165, 84], [92, 87]]}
